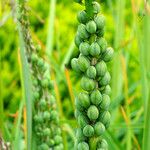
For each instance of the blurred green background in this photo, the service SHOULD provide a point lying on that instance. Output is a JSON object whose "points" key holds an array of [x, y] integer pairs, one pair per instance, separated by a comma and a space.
{"points": [[127, 27]]}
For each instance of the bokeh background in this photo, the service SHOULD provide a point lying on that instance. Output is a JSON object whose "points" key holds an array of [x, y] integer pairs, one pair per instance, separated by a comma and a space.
{"points": [[127, 29]]}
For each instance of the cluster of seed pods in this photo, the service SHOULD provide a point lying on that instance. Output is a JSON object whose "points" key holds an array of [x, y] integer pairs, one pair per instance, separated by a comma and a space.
{"points": [[45, 114], [92, 104]]}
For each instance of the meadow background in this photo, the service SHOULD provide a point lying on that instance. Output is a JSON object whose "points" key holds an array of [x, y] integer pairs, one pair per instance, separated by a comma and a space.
{"points": [[53, 25]]}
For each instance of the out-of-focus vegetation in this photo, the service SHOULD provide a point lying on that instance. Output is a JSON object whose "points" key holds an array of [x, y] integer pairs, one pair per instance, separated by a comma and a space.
{"points": [[127, 31]]}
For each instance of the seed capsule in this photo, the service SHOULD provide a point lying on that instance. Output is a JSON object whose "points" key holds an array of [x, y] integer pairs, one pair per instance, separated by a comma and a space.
{"points": [[82, 17], [57, 139], [84, 48], [45, 83], [93, 112], [42, 103], [108, 54], [78, 40], [80, 136], [38, 118], [105, 79], [104, 117], [88, 131], [99, 128], [96, 7], [87, 84], [102, 144], [96, 97], [107, 90], [101, 68], [101, 32], [43, 147], [40, 62], [84, 100], [91, 27], [102, 43], [46, 115], [82, 121], [82, 31], [75, 65], [51, 142], [83, 63], [36, 95], [78, 105], [83, 146], [100, 21], [94, 49], [91, 72], [34, 58], [105, 102], [46, 132]]}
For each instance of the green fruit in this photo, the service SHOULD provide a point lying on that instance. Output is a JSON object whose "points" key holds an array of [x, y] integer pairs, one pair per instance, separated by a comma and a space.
{"points": [[102, 144], [51, 142], [101, 68], [75, 65], [40, 62], [83, 146], [35, 82], [82, 120], [100, 21], [77, 40], [36, 95], [84, 100], [57, 139], [52, 100], [78, 105], [46, 132], [94, 49], [53, 115], [108, 54], [102, 43], [58, 131], [46, 115], [77, 113], [99, 128], [82, 31], [84, 48], [105, 79], [82, 17], [42, 103], [107, 90], [45, 83], [43, 147], [93, 112], [104, 117], [88, 131], [38, 118], [87, 84], [105, 102], [91, 27], [34, 58], [101, 32], [80, 136], [91, 72], [96, 97], [96, 7], [83, 63]]}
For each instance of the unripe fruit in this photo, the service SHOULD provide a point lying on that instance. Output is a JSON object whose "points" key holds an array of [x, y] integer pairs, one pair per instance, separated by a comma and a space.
{"points": [[88, 131], [82, 17], [77, 113], [77, 40], [94, 49], [52, 100], [46, 132], [43, 146], [80, 136], [93, 112], [96, 7], [83, 63], [101, 32], [53, 115], [84, 100], [38, 118], [36, 95], [84, 48], [83, 146], [75, 65], [34, 58], [100, 21], [40, 62], [91, 72], [102, 43], [42, 103], [101, 68], [99, 128], [107, 90], [46, 115], [105, 79], [87, 84], [91, 27], [45, 83], [82, 120], [96, 97], [108, 54], [82, 31], [104, 117], [51, 142], [78, 105], [105, 101], [102, 144], [57, 139]]}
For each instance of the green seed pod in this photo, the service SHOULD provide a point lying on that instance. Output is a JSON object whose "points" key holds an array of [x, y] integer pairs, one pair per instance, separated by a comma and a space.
{"points": [[43, 147], [35, 82], [91, 27], [78, 105], [93, 112], [107, 90], [52, 100], [87, 84], [83, 63], [101, 32], [100, 21], [94, 49], [42, 103], [46, 132], [40, 62], [36, 95], [96, 97], [77, 113], [82, 31], [58, 131], [83, 146], [57, 139], [34, 58], [105, 79], [78, 40], [108, 54], [105, 102], [46, 115], [102, 144], [91, 72], [80, 136], [45, 83], [102, 43], [96, 7], [104, 117], [82, 120], [84, 100], [84, 48], [38, 118], [53, 115], [75, 65], [99, 128], [88, 131], [51, 142], [101, 68], [82, 17]]}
